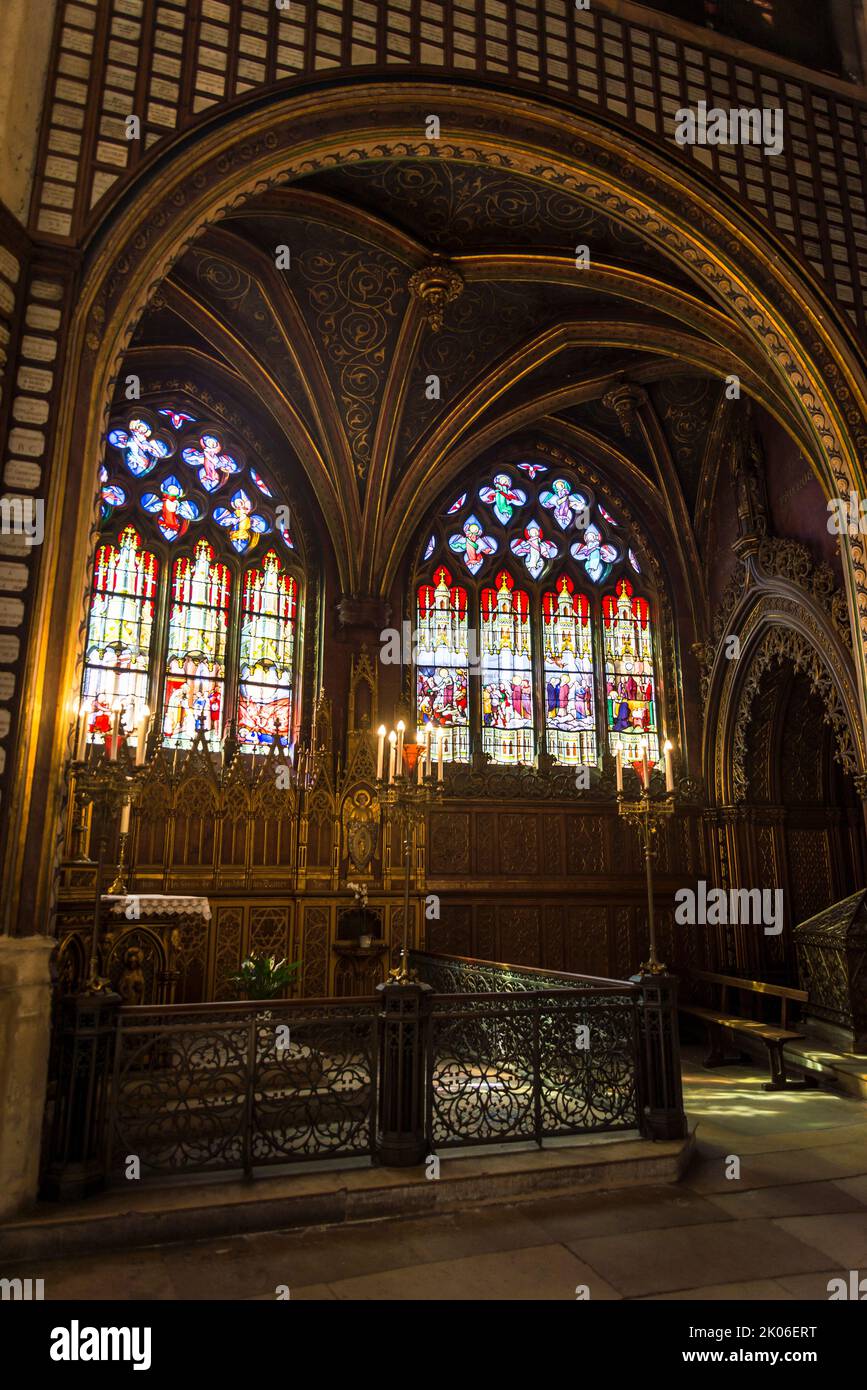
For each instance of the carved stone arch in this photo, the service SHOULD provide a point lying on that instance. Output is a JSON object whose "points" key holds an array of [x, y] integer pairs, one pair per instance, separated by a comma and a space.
{"points": [[777, 623], [275, 141]]}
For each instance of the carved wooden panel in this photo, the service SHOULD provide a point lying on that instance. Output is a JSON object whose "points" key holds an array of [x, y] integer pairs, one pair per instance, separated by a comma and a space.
{"points": [[810, 869], [486, 832], [486, 933], [625, 961], [449, 851], [584, 845], [315, 951], [191, 961], [551, 830], [268, 930], [520, 935], [553, 934], [588, 940], [518, 843], [453, 933], [229, 922]]}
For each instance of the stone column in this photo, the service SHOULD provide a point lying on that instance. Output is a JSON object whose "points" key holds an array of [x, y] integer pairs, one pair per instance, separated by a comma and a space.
{"points": [[25, 1018]]}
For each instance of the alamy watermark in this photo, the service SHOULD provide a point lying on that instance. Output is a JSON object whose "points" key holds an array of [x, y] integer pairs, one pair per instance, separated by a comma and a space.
{"points": [[739, 125], [720, 907], [23, 516]]}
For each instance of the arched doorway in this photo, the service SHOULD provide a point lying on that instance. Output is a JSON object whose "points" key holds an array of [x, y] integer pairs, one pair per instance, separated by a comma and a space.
{"points": [[802, 815]]}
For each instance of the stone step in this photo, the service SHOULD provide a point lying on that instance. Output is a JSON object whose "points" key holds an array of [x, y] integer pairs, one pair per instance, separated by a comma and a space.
{"points": [[328, 1194]]}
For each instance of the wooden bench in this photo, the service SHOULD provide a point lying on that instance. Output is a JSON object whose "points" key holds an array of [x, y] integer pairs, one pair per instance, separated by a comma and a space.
{"points": [[774, 1036]]}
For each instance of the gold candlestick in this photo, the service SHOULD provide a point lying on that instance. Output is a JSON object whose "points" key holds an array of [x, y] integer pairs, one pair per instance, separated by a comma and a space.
{"points": [[647, 814]]}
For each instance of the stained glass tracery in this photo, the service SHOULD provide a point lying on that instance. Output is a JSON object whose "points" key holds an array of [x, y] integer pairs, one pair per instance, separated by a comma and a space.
{"points": [[542, 624], [196, 649], [132, 636], [507, 672], [117, 655], [629, 674], [268, 617], [567, 634], [442, 662]]}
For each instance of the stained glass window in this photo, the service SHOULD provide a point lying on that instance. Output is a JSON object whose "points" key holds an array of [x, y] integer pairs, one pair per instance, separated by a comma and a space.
{"points": [[442, 662], [516, 654], [119, 633], [507, 673], [629, 677], [567, 635], [159, 623], [196, 649], [268, 617]]}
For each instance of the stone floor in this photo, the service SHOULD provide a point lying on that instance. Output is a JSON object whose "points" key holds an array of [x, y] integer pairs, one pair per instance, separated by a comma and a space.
{"points": [[794, 1218]]}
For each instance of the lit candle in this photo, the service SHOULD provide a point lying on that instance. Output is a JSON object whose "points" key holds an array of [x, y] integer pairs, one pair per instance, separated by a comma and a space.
{"points": [[669, 767], [419, 738], [619, 762], [645, 770], [441, 743], [392, 738], [124, 818], [400, 731], [142, 736], [81, 746], [380, 751], [115, 734]]}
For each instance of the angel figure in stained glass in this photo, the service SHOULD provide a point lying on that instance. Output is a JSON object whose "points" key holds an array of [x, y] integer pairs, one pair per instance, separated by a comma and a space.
{"points": [[111, 496], [534, 550], [214, 466], [533, 468], [566, 505], [141, 448], [244, 525], [597, 555], [474, 545], [503, 497], [178, 418], [172, 508]]}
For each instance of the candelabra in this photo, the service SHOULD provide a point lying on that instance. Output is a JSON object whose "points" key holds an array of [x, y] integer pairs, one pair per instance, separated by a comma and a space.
{"points": [[405, 795], [105, 783], [647, 814]]}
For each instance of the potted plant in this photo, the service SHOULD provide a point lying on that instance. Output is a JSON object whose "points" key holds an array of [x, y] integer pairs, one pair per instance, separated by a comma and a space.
{"points": [[263, 977], [360, 891]]}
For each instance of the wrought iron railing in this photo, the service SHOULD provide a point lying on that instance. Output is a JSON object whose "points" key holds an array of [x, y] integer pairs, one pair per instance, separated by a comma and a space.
{"points": [[516, 1053], [209, 1087], [466, 975], [470, 1053]]}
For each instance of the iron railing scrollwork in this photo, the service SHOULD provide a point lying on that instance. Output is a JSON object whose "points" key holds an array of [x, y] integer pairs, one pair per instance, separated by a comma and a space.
{"points": [[243, 1086], [472, 1053]]}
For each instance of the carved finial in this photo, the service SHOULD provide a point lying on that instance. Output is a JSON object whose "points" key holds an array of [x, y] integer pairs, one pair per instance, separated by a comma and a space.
{"points": [[435, 286], [625, 400]]}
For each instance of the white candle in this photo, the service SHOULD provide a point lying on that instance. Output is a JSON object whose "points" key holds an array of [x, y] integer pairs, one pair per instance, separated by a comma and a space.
{"points": [[441, 743], [619, 761], [115, 734], [142, 738], [392, 739], [380, 751], [81, 745], [400, 731], [645, 774], [420, 765], [124, 818], [669, 768]]}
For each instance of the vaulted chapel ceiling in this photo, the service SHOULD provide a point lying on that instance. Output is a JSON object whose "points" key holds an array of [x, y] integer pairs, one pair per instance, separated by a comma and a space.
{"points": [[303, 296]]}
